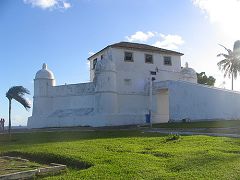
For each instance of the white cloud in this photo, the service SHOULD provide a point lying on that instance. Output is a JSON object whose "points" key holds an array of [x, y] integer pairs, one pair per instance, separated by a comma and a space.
{"points": [[140, 36], [169, 41], [49, 4], [164, 41], [224, 13], [66, 5]]}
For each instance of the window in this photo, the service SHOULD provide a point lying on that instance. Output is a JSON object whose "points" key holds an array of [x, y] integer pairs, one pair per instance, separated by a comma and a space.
{"points": [[167, 60], [127, 82], [101, 56], [128, 57], [149, 58], [94, 63]]}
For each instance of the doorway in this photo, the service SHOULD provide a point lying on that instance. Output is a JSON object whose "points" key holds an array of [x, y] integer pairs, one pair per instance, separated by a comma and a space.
{"points": [[161, 114]]}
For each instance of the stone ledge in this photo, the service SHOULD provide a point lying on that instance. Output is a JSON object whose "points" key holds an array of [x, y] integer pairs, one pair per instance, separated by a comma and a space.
{"points": [[15, 158], [19, 175], [53, 168]]}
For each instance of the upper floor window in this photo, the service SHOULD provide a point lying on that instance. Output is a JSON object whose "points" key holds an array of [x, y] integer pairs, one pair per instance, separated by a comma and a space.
{"points": [[167, 60], [94, 63], [101, 56], [128, 56], [127, 82], [149, 58]]}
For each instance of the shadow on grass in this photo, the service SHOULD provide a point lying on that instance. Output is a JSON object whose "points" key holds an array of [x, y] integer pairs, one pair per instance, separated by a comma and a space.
{"points": [[200, 160], [158, 154], [231, 151], [68, 136], [47, 158]]}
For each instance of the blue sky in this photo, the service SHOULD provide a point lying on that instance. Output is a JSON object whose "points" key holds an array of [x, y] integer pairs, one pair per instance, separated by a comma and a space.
{"points": [[63, 33]]}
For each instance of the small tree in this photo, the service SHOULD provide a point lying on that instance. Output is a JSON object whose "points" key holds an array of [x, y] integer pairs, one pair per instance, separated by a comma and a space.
{"points": [[203, 79], [230, 65], [17, 93]]}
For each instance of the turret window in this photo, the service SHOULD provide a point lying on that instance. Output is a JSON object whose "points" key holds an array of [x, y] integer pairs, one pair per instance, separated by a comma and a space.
{"points": [[167, 60], [128, 57]]}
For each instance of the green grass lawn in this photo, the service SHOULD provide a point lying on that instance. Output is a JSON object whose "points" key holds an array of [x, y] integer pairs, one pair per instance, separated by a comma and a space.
{"points": [[130, 154], [200, 124]]}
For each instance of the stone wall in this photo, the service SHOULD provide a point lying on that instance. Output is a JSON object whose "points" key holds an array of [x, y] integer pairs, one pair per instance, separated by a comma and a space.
{"points": [[199, 102], [72, 90]]}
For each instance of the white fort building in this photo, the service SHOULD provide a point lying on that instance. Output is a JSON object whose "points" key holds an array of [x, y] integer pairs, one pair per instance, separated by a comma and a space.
{"points": [[128, 81]]}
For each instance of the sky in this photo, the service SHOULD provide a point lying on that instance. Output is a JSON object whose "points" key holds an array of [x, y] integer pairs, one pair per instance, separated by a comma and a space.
{"points": [[64, 33]]}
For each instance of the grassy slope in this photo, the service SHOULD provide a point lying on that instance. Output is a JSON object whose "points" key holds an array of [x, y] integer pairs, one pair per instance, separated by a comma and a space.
{"points": [[201, 124], [134, 155]]}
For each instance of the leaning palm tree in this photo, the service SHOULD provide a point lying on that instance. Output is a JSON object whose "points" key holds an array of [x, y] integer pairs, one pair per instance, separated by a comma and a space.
{"points": [[230, 65], [17, 93]]}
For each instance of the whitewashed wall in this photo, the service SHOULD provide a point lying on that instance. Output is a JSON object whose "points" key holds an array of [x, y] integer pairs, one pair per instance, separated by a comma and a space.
{"points": [[139, 71], [199, 102], [133, 104], [62, 102], [120, 97], [73, 96]]}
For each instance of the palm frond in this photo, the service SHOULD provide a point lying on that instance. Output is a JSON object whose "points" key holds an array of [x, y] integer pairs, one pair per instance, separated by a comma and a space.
{"points": [[235, 74], [17, 93], [17, 90], [224, 55], [226, 72], [225, 66], [228, 50], [22, 101], [222, 62]]}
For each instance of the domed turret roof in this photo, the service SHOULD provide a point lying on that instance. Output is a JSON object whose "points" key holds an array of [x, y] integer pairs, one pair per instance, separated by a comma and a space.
{"points": [[187, 71], [44, 73]]}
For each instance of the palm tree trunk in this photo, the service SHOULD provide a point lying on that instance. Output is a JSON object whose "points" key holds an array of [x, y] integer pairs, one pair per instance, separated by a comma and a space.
{"points": [[9, 116], [232, 81]]}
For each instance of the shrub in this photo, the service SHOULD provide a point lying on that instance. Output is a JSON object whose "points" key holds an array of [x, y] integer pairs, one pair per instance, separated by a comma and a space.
{"points": [[173, 137]]}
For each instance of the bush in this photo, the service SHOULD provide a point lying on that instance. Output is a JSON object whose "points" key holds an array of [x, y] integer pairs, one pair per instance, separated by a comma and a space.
{"points": [[173, 137]]}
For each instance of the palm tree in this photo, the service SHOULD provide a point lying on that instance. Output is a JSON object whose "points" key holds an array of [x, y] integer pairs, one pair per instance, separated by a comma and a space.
{"points": [[231, 62], [17, 93]]}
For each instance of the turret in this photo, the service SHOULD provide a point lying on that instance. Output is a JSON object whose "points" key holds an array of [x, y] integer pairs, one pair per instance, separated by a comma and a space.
{"points": [[105, 86], [188, 74], [43, 81]]}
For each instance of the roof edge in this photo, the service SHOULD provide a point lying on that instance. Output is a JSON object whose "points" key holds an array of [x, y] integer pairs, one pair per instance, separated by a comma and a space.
{"points": [[155, 49], [98, 52]]}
